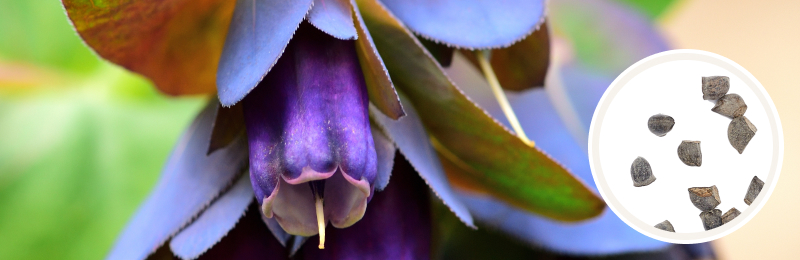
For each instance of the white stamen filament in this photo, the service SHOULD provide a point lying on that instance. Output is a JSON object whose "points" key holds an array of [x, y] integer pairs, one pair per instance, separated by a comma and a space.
{"points": [[486, 67], [320, 221]]}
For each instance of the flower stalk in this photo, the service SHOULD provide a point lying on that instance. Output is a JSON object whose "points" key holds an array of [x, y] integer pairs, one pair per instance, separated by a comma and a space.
{"points": [[488, 73]]}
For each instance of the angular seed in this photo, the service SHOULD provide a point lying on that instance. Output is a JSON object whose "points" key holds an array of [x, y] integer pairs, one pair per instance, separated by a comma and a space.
{"points": [[660, 124], [730, 215], [641, 173], [740, 131], [689, 153], [730, 105], [711, 219], [752, 192], [705, 198], [666, 226], [715, 87]]}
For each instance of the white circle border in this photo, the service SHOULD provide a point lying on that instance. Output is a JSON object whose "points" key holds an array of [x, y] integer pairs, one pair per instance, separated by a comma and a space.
{"points": [[774, 126]]}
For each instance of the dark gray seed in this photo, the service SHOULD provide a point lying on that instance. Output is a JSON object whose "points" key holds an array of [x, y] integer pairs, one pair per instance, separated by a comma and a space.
{"points": [[715, 87], [689, 153], [740, 131], [704, 198], [730, 105], [641, 173], [666, 226], [711, 219], [730, 215], [660, 124], [752, 192]]}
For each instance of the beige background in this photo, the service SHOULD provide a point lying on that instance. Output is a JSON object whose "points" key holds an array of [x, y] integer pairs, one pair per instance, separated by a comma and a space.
{"points": [[763, 37]]}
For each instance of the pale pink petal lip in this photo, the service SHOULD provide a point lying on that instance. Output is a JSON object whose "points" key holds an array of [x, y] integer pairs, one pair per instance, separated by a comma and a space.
{"points": [[292, 202], [309, 174], [345, 199]]}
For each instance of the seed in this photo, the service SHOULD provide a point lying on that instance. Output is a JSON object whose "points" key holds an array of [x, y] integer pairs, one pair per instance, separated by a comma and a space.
{"points": [[641, 173], [711, 219], [660, 124], [752, 192], [666, 226], [715, 87], [704, 198], [730, 215], [689, 153], [740, 131], [730, 105]]}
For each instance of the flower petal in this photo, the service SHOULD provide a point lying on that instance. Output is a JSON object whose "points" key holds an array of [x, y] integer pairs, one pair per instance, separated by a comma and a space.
{"points": [[228, 125], [381, 90], [606, 234], [495, 158], [385, 150], [190, 180], [522, 65], [470, 24], [309, 118], [258, 34], [215, 222], [160, 39], [409, 135], [250, 239], [334, 18], [397, 224]]}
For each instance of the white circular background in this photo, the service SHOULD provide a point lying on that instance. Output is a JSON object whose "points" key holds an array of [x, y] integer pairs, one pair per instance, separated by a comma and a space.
{"points": [[670, 83]]}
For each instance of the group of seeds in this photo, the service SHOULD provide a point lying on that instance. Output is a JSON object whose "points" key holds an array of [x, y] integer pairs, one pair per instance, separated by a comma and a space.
{"points": [[740, 132]]}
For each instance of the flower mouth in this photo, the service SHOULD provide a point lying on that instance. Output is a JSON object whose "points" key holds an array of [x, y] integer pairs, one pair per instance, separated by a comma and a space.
{"points": [[293, 202]]}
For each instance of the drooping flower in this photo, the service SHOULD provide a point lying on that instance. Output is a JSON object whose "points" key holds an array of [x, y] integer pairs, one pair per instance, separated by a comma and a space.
{"points": [[323, 120], [309, 133]]}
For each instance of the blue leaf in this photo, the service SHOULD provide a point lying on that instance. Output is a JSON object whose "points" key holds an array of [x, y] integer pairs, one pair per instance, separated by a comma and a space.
{"points": [[385, 150], [258, 34], [215, 222], [606, 234], [410, 137], [190, 181], [334, 18], [471, 24], [379, 86]]}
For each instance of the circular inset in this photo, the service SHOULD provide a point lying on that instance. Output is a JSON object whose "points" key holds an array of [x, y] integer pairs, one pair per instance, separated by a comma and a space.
{"points": [[678, 83]]}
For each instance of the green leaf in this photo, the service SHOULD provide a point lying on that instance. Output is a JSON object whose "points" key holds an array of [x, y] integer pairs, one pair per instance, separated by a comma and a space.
{"points": [[36, 32], [77, 160], [486, 152]]}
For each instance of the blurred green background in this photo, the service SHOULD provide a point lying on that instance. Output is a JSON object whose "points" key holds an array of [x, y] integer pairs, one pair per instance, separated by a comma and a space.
{"points": [[82, 141]]}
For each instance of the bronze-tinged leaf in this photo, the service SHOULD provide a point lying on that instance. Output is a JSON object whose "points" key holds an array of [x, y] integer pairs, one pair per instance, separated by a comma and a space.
{"points": [[174, 43], [523, 65], [461, 131], [228, 124], [379, 85]]}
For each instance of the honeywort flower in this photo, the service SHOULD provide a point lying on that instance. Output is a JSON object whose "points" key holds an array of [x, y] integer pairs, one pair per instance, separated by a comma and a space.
{"points": [[262, 81]]}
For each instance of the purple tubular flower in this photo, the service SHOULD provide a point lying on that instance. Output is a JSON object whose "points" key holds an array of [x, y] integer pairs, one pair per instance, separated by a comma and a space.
{"points": [[309, 135]]}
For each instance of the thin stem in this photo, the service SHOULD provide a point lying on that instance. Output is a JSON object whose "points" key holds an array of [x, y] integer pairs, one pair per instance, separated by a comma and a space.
{"points": [[320, 221], [488, 72]]}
